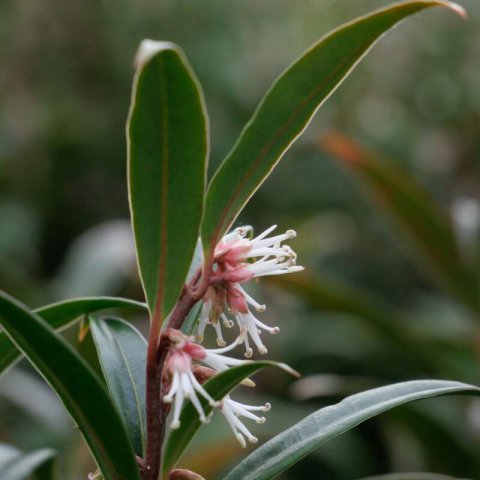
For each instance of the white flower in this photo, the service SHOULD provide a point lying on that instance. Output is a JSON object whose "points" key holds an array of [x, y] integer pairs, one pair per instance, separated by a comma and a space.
{"points": [[184, 384], [252, 325], [232, 268], [235, 247], [232, 410]]}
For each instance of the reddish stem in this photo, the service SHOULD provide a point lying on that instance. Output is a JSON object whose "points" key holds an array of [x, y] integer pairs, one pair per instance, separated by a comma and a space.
{"points": [[158, 347]]}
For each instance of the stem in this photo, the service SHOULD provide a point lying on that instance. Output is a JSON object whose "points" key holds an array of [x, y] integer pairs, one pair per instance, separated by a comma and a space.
{"points": [[158, 347], [151, 467]]}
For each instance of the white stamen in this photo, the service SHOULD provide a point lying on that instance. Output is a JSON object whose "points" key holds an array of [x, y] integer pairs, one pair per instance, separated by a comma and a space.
{"points": [[250, 300]]}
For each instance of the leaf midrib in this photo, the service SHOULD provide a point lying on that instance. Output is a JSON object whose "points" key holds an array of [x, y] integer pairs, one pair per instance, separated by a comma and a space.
{"points": [[159, 301], [275, 137]]}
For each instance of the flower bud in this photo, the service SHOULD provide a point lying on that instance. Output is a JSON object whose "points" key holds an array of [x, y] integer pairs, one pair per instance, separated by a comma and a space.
{"points": [[183, 474]]}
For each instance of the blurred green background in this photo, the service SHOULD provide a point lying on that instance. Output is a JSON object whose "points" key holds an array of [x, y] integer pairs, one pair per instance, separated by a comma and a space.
{"points": [[64, 94]]}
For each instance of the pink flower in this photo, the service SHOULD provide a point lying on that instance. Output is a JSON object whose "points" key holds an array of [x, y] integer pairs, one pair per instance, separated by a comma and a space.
{"points": [[183, 383], [231, 268]]}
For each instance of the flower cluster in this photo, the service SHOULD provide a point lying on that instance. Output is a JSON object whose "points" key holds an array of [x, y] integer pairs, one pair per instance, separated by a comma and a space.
{"points": [[233, 266], [237, 259]]}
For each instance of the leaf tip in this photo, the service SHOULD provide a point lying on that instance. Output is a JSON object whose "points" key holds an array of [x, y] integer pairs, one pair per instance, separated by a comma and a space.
{"points": [[290, 370], [454, 7], [148, 49]]}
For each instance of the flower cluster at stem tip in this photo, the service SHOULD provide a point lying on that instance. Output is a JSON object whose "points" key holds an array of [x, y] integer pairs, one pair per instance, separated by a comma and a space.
{"points": [[237, 260]]}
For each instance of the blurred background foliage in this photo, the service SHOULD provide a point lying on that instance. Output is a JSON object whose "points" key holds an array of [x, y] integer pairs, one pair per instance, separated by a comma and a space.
{"points": [[368, 312]]}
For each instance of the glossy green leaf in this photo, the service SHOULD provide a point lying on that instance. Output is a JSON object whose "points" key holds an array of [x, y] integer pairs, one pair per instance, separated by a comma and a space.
{"points": [[77, 386], [167, 153], [122, 351], [217, 387], [293, 444], [61, 315], [287, 109], [413, 210], [412, 476], [15, 465], [328, 295]]}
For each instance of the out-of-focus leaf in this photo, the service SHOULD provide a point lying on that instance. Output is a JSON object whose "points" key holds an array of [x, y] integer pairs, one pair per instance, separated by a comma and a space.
{"points": [[167, 154], [332, 296], [412, 208], [292, 445], [15, 465], [122, 351], [61, 315], [217, 387], [47, 470], [77, 386], [287, 109], [412, 476], [98, 262], [441, 441]]}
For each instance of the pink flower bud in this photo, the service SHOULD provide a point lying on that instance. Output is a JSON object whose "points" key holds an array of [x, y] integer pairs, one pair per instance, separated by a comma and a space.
{"points": [[239, 274], [236, 300], [195, 351], [179, 361]]}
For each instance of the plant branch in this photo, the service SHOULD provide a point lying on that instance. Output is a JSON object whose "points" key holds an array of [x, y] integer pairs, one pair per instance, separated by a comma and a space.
{"points": [[158, 347]]}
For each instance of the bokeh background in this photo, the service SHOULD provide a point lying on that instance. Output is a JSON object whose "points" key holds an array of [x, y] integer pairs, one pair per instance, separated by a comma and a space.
{"points": [[64, 93]]}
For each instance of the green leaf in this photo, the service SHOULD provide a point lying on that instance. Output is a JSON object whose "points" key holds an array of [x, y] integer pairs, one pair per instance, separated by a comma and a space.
{"points": [[15, 465], [77, 386], [167, 154], [413, 210], [412, 476], [60, 316], [293, 444], [217, 387], [287, 109], [122, 351]]}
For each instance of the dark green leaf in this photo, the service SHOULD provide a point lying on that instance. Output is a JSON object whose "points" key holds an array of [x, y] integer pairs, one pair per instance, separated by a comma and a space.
{"points": [[15, 465], [167, 150], [217, 387], [61, 315], [293, 444], [122, 351], [287, 109], [77, 386], [411, 207]]}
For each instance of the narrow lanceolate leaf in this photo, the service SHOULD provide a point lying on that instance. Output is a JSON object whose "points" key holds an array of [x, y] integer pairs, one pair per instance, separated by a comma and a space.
{"points": [[61, 315], [15, 465], [287, 109], [293, 444], [411, 207], [122, 351], [217, 387], [167, 153], [77, 386]]}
